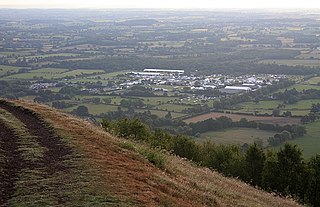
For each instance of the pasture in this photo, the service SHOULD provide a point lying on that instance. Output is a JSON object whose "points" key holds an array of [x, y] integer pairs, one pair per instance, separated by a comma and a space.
{"points": [[293, 62], [6, 70], [237, 117], [161, 114], [94, 109], [310, 142], [300, 87], [236, 136], [52, 73], [299, 108], [173, 107], [314, 81]]}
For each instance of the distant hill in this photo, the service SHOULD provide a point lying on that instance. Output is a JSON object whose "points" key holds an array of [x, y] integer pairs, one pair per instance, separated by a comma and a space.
{"points": [[49, 158]]}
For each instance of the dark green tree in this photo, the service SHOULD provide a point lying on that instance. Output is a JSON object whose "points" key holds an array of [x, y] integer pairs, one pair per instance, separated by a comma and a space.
{"points": [[291, 168], [313, 192], [254, 163], [81, 111]]}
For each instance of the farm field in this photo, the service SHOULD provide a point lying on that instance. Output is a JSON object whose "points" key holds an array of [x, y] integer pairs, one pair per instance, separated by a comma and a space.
{"points": [[173, 107], [293, 62], [162, 113], [236, 136], [299, 108], [314, 80], [237, 117], [310, 142], [300, 87], [95, 109], [52, 73], [4, 69], [54, 55]]}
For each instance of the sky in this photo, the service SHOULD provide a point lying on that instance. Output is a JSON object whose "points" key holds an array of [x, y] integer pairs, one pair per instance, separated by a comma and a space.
{"points": [[186, 4]]}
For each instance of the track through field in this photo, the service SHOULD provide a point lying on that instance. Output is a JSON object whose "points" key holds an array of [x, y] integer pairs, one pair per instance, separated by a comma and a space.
{"points": [[12, 163], [52, 162]]}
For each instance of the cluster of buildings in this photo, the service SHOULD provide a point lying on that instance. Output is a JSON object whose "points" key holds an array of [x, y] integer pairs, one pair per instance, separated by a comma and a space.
{"points": [[225, 83]]}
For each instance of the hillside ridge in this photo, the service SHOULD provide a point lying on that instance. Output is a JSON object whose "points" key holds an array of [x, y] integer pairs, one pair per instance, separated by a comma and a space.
{"points": [[63, 160]]}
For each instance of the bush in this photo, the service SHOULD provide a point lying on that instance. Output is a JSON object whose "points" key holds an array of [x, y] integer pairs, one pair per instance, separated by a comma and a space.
{"points": [[156, 158], [127, 145]]}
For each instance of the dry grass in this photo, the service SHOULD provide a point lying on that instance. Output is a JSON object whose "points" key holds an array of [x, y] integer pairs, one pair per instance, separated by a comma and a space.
{"points": [[128, 175]]}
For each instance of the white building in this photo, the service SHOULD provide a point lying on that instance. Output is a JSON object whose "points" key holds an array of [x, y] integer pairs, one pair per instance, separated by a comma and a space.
{"points": [[235, 89], [164, 71]]}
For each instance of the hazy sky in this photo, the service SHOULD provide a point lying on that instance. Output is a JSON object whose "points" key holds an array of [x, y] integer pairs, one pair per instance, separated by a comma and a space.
{"points": [[159, 3]]}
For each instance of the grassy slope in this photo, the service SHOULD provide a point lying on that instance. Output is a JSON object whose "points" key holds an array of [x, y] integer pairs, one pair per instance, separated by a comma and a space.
{"points": [[126, 175]]}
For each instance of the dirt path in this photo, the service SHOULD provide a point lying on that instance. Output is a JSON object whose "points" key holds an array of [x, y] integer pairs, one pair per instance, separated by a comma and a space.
{"points": [[11, 165], [53, 162], [56, 151]]}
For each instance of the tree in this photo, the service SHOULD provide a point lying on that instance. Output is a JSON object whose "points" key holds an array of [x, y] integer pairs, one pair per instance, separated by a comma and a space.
{"points": [[291, 166], [81, 111], [168, 115], [131, 129], [275, 112], [270, 178], [287, 113], [254, 163], [107, 100], [185, 147], [313, 190]]}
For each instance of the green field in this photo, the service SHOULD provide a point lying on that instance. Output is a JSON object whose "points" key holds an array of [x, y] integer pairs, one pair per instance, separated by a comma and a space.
{"points": [[111, 75], [236, 136], [293, 62], [173, 107], [158, 100], [52, 73], [82, 72], [260, 105], [301, 87], [309, 143], [53, 55], [300, 108], [95, 109], [50, 70], [4, 69], [314, 80], [162, 113]]}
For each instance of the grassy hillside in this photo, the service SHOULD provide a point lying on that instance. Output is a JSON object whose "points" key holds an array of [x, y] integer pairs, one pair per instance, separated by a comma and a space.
{"points": [[59, 160]]}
